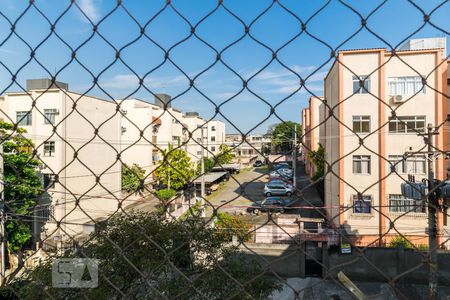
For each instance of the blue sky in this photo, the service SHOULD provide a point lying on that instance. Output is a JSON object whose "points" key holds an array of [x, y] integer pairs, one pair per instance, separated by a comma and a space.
{"points": [[394, 21]]}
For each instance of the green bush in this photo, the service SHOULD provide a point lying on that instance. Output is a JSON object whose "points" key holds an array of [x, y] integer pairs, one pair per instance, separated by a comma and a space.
{"points": [[400, 241], [165, 194]]}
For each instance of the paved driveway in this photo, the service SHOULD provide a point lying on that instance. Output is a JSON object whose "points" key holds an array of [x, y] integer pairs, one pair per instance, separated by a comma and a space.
{"points": [[240, 191]]}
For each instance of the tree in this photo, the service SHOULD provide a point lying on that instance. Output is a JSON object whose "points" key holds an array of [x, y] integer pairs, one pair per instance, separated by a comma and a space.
{"points": [[176, 169], [283, 136], [318, 159], [22, 185], [228, 225], [132, 178], [208, 165], [225, 155], [143, 256]]}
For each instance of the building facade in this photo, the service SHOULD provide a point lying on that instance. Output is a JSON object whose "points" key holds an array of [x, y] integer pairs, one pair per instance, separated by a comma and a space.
{"points": [[77, 138], [380, 106], [311, 127]]}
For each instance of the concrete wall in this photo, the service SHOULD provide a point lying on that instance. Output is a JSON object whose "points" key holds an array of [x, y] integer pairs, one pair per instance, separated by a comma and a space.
{"points": [[383, 264], [377, 265]]}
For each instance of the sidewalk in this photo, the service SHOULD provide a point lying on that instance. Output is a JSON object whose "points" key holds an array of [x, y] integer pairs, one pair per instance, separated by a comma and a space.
{"points": [[307, 194]]}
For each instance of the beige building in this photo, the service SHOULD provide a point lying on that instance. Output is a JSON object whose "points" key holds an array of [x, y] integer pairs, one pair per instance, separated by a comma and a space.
{"points": [[80, 170], [311, 129], [248, 150], [381, 105]]}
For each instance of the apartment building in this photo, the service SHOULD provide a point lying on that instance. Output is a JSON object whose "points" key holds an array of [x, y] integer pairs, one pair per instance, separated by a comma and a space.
{"points": [[161, 128], [381, 104], [77, 138], [246, 151], [195, 124], [311, 127]]}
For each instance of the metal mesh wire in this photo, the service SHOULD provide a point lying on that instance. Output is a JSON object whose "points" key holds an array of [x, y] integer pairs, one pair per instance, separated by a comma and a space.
{"points": [[142, 196]]}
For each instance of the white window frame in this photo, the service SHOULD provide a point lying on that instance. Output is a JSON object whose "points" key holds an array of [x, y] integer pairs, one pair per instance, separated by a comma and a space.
{"points": [[357, 89], [365, 199], [409, 165], [49, 152], [399, 85], [24, 118], [361, 119], [361, 159], [404, 121], [405, 205], [50, 115]]}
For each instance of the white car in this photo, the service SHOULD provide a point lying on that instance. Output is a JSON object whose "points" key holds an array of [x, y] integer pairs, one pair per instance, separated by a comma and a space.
{"points": [[279, 189]]}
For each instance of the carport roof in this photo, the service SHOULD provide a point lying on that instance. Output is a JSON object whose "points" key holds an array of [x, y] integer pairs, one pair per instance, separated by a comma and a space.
{"points": [[211, 177]]}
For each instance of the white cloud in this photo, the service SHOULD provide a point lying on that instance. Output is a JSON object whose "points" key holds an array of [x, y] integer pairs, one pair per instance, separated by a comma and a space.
{"points": [[90, 9]]}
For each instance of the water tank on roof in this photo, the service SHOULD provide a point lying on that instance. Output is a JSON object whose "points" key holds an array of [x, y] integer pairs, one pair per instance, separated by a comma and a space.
{"points": [[45, 83], [162, 100]]}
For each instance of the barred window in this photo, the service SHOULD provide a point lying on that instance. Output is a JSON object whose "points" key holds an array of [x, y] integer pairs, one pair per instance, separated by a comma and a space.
{"points": [[407, 85], [361, 164], [24, 118], [357, 88], [49, 148], [49, 181], [362, 205], [407, 124], [410, 165], [361, 124], [398, 203], [50, 115]]}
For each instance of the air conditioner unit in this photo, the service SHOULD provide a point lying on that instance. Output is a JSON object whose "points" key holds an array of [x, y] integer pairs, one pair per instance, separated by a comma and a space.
{"points": [[398, 99]]}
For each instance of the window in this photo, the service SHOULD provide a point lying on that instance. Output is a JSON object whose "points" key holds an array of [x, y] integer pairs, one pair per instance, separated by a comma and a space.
{"points": [[213, 149], [199, 152], [175, 121], [357, 88], [362, 205], [49, 148], [361, 164], [49, 181], [50, 115], [23, 118], [45, 211], [410, 165], [175, 139], [398, 203], [361, 124], [407, 85], [213, 128], [407, 124], [213, 139]]}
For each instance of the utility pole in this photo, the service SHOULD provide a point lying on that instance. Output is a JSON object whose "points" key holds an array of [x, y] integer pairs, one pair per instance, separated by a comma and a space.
{"points": [[202, 191], [294, 155], [432, 231], [3, 217]]}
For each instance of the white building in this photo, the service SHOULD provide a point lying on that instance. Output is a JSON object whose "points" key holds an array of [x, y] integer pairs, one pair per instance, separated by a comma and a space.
{"points": [[77, 139]]}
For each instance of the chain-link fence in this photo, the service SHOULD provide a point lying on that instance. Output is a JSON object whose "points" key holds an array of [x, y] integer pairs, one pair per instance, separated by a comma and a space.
{"points": [[265, 149]]}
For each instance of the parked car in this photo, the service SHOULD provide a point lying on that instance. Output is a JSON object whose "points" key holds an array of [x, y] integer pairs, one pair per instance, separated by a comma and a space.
{"points": [[257, 163], [198, 190], [281, 174], [282, 165], [278, 188], [280, 180], [272, 204]]}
